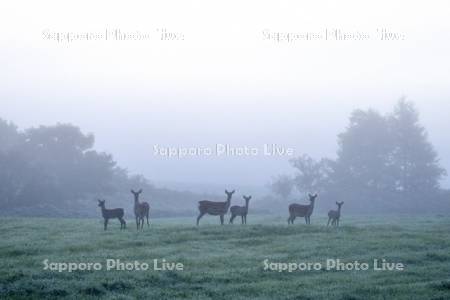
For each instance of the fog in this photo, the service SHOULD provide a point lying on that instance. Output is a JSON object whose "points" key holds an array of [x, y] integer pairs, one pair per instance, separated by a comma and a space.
{"points": [[222, 83]]}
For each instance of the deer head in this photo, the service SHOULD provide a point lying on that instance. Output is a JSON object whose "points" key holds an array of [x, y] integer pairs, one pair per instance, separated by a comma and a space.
{"points": [[312, 198], [136, 194], [101, 203], [229, 194], [247, 199], [339, 204]]}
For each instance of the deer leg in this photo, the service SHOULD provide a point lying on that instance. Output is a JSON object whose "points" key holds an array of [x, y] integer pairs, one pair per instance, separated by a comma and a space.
{"points": [[148, 224], [245, 219], [137, 223], [232, 218], [221, 219], [337, 222], [329, 220], [142, 223], [105, 224], [291, 219], [199, 217]]}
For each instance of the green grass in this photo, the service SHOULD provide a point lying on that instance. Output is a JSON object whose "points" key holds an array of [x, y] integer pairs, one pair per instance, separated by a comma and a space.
{"points": [[226, 262]]}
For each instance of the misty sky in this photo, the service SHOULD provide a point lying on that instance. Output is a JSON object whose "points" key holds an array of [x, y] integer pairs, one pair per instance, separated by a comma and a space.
{"points": [[223, 82]]}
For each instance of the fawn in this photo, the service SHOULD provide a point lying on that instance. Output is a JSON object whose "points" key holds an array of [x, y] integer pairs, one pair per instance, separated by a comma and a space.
{"points": [[214, 208], [297, 210], [240, 211], [112, 214], [334, 216], [141, 210]]}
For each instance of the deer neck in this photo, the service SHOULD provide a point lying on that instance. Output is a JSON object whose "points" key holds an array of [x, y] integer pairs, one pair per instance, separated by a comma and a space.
{"points": [[228, 202], [246, 205]]}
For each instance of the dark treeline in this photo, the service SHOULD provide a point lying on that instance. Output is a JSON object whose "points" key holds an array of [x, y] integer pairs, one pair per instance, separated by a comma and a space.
{"points": [[54, 171], [384, 163]]}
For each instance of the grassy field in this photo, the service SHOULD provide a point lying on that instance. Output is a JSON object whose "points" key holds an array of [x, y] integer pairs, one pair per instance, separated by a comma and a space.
{"points": [[227, 262]]}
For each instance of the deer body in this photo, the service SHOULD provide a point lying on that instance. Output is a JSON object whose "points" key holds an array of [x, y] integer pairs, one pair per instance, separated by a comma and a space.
{"points": [[141, 210], [302, 211], [116, 213], [214, 208], [334, 216], [241, 211]]}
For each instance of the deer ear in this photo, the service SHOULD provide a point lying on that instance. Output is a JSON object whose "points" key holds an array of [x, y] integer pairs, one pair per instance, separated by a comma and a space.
{"points": [[233, 191], [132, 191], [249, 197], [226, 191], [140, 191]]}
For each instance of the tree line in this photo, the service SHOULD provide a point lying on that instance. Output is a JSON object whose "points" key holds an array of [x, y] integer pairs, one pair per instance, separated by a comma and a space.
{"points": [[55, 171], [383, 161]]}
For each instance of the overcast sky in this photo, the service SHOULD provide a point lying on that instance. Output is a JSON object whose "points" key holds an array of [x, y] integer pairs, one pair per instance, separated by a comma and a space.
{"points": [[221, 81]]}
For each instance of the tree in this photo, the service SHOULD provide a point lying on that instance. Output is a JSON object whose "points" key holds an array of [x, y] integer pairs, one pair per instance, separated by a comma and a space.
{"points": [[13, 167], [68, 167], [9, 136], [51, 166], [312, 175], [282, 186], [415, 161], [363, 164]]}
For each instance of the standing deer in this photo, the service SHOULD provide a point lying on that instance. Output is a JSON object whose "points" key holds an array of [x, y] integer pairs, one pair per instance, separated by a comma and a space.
{"points": [[297, 210], [215, 208], [112, 214], [141, 210], [240, 211], [334, 216]]}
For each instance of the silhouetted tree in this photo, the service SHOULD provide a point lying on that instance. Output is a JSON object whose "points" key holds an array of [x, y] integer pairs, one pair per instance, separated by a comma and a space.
{"points": [[9, 136], [282, 186], [364, 159], [380, 159], [416, 165], [312, 176]]}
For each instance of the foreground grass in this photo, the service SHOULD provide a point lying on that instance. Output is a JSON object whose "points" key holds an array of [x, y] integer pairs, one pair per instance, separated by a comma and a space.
{"points": [[226, 262]]}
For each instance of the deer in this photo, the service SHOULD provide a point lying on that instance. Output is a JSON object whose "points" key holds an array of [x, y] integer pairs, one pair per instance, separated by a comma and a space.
{"points": [[215, 208], [334, 216], [141, 210], [240, 211], [112, 214], [297, 210]]}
